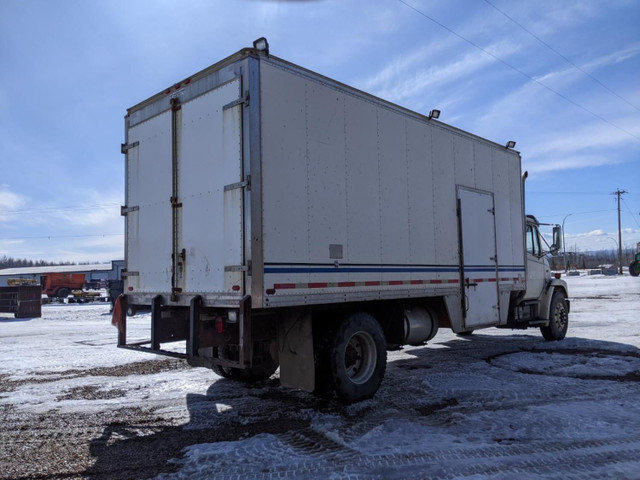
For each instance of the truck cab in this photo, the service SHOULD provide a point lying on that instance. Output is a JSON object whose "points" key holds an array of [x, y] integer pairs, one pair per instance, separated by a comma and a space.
{"points": [[545, 300]]}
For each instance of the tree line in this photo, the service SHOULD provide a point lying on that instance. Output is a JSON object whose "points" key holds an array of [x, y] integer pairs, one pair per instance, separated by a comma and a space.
{"points": [[8, 262]]}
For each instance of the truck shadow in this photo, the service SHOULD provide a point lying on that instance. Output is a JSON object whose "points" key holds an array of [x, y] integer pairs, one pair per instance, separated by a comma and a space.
{"points": [[12, 320], [231, 411]]}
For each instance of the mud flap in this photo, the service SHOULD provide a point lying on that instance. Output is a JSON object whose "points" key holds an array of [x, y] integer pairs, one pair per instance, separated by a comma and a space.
{"points": [[119, 318], [295, 350]]}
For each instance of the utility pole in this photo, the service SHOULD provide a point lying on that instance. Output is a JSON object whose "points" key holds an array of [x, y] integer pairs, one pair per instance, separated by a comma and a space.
{"points": [[618, 193]]}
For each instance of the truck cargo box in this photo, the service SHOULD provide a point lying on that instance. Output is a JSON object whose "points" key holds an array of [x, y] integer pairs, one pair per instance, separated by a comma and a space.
{"points": [[258, 177]]}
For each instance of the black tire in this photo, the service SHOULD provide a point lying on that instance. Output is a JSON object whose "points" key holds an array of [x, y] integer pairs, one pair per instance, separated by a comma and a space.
{"points": [[62, 293], [131, 310], [357, 358], [259, 371], [634, 270], [558, 319]]}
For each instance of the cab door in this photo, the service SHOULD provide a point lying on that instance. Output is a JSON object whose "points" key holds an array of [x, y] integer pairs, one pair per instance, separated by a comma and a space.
{"points": [[537, 268]]}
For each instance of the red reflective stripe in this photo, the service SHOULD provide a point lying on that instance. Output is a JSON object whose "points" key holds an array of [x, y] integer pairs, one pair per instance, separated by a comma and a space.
{"points": [[371, 283]]}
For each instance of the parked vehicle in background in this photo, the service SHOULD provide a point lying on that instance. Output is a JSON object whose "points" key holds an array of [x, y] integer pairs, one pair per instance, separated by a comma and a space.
{"points": [[60, 285], [634, 267], [276, 217], [17, 282]]}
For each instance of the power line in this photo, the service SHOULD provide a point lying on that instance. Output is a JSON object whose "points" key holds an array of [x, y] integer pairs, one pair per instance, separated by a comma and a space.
{"points": [[515, 69], [49, 237], [102, 206], [567, 193], [630, 212], [563, 57], [579, 213]]}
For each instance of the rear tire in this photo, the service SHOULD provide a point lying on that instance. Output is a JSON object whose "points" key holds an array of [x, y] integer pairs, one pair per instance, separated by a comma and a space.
{"points": [[357, 358], [62, 293], [558, 319]]}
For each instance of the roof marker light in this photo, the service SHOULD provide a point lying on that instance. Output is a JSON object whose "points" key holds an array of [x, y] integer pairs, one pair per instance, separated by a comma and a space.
{"points": [[261, 45]]}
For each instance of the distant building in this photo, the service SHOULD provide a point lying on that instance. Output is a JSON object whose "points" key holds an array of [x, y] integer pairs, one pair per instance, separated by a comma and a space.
{"points": [[102, 271]]}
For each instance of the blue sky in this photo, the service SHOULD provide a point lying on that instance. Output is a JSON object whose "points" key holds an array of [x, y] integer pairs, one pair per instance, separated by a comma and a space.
{"points": [[561, 78]]}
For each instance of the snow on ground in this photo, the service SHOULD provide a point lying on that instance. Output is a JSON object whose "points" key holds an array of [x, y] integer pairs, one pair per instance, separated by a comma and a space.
{"points": [[497, 404]]}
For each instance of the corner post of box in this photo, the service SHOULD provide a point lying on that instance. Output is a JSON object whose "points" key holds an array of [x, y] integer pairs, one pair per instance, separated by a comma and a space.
{"points": [[245, 340], [193, 343], [156, 317]]}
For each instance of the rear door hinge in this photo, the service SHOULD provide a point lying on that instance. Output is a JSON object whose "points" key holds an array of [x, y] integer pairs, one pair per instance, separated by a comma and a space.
{"points": [[125, 147], [243, 100], [246, 184], [239, 268], [124, 210], [125, 273]]}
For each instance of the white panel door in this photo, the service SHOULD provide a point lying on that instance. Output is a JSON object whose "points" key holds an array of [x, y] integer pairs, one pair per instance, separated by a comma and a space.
{"points": [[148, 175], [480, 278], [210, 159]]}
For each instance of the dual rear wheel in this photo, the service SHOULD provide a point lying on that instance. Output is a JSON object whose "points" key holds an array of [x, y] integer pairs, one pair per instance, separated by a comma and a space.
{"points": [[351, 358]]}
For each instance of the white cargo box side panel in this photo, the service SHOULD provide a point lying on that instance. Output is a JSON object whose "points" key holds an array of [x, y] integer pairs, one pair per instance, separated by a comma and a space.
{"points": [[284, 167], [148, 174], [363, 202], [421, 193], [210, 159], [444, 197], [340, 209], [509, 218]]}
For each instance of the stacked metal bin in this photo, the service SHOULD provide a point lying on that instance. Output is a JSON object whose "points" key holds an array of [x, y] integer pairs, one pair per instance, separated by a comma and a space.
{"points": [[23, 301]]}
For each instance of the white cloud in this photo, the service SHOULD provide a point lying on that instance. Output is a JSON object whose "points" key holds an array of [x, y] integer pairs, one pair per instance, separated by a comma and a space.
{"points": [[9, 202], [407, 76]]}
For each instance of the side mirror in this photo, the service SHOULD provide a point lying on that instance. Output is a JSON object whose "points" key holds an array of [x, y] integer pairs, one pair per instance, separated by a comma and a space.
{"points": [[557, 239]]}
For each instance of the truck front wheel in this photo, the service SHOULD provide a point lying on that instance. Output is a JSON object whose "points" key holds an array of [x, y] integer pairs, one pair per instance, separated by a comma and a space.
{"points": [[357, 358], [558, 319]]}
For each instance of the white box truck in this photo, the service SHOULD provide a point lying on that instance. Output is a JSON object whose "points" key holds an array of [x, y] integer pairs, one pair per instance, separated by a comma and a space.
{"points": [[276, 217]]}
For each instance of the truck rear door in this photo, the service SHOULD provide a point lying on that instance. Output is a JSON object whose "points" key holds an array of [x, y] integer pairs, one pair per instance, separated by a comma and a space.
{"points": [[478, 258], [185, 197]]}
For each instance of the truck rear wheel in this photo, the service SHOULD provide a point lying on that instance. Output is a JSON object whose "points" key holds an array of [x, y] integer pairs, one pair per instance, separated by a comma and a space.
{"points": [[357, 358], [558, 319]]}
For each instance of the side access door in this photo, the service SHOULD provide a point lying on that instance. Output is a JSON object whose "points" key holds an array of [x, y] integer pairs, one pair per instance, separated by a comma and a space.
{"points": [[478, 259], [185, 197]]}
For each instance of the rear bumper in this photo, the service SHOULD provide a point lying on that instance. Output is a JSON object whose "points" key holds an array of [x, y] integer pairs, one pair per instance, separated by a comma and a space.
{"points": [[173, 322]]}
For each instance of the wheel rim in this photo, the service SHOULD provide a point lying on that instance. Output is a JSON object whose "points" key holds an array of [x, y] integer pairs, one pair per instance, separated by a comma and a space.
{"points": [[360, 357], [560, 316]]}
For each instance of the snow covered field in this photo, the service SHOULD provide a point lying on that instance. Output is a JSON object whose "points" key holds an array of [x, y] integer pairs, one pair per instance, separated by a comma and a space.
{"points": [[498, 404]]}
